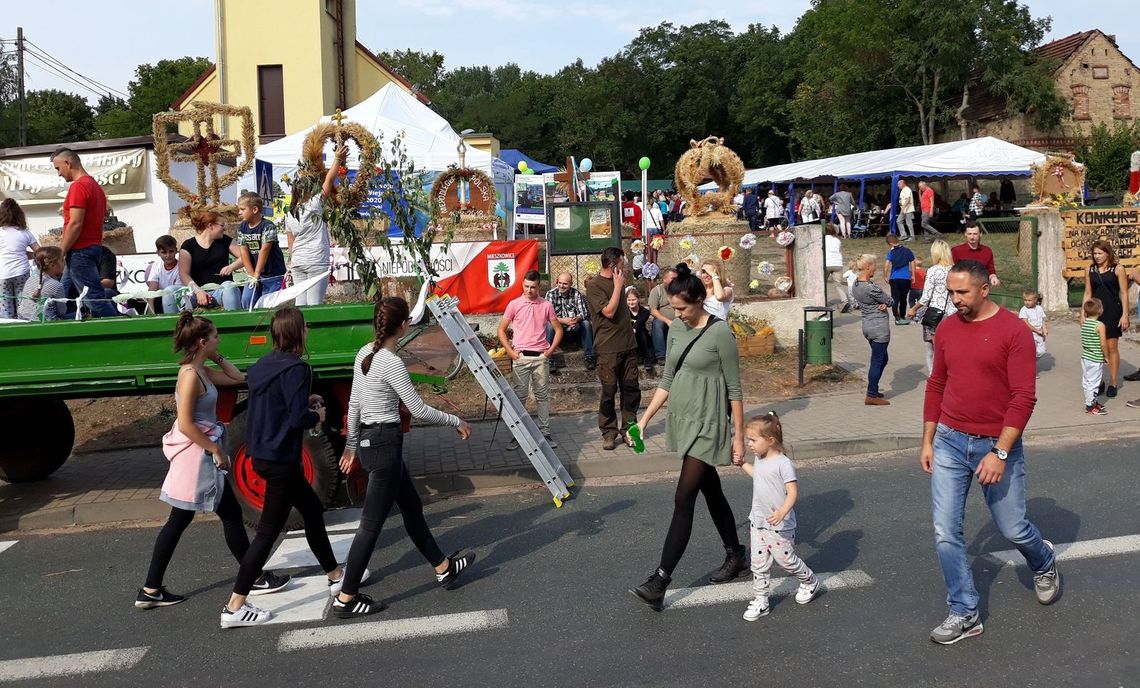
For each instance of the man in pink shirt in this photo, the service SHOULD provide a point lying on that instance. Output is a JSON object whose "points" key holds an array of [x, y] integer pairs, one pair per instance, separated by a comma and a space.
{"points": [[528, 316], [926, 205]]}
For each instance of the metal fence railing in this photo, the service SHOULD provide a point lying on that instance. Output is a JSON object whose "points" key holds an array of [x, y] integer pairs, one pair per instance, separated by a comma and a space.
{"points": [[1013, 240]]}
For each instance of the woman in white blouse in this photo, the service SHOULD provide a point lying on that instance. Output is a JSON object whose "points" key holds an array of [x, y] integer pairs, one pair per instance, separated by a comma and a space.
{"points": [[381, 389], [719, 291]]}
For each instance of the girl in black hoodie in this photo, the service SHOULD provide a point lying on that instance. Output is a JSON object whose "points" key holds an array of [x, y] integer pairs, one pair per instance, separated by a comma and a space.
{"points": [[280, 411]]}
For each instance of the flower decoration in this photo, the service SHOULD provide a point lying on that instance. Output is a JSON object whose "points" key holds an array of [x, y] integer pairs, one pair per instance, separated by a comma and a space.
{"points": [[785, 238], [638, 246], [747, 241], [657, 243], [693, 261], [650, 270], [754, 284], [592, 266], [285, 179], [783, 283], [764, 268], [726, 252], [687, 243]]}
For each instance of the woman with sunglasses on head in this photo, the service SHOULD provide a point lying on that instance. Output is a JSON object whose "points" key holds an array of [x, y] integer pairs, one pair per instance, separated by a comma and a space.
{"points": [[380, 386], [281, 409], [204, 259], [705, 426]]}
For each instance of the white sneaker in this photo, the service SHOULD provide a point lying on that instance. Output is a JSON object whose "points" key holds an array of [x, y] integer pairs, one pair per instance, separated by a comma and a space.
{"points": [[335, 586], [756, 608], [247, 615], [807, 591]]}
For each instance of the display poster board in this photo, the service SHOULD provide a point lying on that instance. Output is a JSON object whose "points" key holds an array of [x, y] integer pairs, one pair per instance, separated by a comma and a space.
{"points": [[529, 200], [581, 228], [1120, 227], [601, 186]]}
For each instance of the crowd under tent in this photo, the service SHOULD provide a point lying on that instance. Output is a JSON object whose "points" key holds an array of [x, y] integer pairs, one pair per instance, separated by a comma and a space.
{"points": [[985, 157]]}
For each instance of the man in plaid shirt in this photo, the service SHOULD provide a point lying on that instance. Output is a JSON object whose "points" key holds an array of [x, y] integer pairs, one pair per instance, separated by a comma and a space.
{"points": [[574, 313]]}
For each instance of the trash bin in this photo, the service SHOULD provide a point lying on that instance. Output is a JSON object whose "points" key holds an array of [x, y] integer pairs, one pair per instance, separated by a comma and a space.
{"points": [[817, 335]]}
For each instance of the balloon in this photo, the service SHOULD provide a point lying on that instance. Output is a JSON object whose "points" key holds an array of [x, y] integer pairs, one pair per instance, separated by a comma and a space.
{"points": [[523, 166], [528, 171], [586, 165], [643, 163]]}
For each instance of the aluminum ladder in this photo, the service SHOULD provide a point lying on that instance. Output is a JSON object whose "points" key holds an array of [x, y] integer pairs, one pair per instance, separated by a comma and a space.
{"points": [[500, 392]]}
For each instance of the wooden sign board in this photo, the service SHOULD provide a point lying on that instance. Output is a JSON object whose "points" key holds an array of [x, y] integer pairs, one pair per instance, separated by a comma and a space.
{"points": [[582, 228], [1120, 227]]}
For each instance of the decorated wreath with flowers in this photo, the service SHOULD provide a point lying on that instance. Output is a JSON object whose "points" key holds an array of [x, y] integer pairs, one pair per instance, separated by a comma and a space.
{"points": [[313, 165], [477, 181]]}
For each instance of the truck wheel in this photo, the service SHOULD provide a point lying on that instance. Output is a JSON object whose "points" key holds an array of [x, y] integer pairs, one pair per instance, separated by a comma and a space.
{"points": [[319, 462], [28, 456]]}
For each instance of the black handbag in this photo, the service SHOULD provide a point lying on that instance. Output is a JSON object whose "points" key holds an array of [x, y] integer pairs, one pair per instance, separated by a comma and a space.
{"points": [[932, 316]]}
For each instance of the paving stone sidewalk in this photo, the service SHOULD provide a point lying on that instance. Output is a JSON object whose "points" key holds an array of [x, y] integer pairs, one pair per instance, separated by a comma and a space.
{"points": [[116, 486]]}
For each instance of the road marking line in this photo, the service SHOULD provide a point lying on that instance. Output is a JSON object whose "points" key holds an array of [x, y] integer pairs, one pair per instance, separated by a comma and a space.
{"points": [[1069, 551], [6, 544], [71, 665], [742, 591], [339, 521], [397, 629], [294, 552], [305, 600]]}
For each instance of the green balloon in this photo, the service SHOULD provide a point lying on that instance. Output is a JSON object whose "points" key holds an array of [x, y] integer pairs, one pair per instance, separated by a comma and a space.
{"points": [[643, 163]]}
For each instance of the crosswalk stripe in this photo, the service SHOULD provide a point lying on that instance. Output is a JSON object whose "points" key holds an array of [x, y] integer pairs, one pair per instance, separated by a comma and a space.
{"points": [[304, 600], [71, 665], [6, 544], [293, 552], [395, 629], [1068, 551], [742, 591]]}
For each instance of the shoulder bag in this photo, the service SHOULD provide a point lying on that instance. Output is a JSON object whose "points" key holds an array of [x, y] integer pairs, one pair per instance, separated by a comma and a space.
{"points": [[932, 316], [681, 361]]}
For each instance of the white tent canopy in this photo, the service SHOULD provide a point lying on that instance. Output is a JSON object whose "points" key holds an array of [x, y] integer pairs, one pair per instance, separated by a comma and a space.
{"points": [[429, 141], [981, 157]]}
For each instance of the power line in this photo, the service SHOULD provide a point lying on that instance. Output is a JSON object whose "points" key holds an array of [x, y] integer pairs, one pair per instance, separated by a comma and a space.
{"points": [[46, 54], [56, 72]]}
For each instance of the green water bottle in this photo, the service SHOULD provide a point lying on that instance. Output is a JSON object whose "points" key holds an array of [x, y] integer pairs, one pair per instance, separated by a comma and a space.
{"points": [[635, 435]]}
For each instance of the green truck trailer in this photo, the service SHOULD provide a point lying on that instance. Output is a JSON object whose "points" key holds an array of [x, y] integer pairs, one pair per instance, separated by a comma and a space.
{"points": [[44, 364]]}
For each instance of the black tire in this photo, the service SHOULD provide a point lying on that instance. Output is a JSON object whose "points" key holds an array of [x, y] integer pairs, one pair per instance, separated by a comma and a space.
{"points": [[319, 452], [34, 455]]}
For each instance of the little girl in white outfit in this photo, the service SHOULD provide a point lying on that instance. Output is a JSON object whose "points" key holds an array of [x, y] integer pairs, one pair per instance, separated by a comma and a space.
{"points": [[773, 518]]}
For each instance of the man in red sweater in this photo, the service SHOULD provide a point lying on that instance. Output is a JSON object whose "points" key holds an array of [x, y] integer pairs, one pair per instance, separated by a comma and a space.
{"points": [[978, 400], [974, 249]]}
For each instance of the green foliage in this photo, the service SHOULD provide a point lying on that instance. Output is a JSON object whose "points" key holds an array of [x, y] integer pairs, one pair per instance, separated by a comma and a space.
{"points": [[424, 70], [58, 117], [1106, 154], [154, 89]]}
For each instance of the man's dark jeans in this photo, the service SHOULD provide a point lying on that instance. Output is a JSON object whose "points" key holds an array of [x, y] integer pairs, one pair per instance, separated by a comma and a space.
{"points": [[82, 270]]}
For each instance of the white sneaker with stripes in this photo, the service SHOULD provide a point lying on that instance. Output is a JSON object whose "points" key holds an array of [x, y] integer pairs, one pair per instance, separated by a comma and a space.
{"points": [[335, 585], [360, 605], [247, 615], [455, 566]]}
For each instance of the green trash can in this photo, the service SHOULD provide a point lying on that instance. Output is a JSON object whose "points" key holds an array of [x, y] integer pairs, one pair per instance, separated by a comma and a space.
{"points": [[817, 335]]}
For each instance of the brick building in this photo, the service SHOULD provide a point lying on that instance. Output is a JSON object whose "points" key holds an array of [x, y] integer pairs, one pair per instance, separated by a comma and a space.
{"points": [[1101, 84]]}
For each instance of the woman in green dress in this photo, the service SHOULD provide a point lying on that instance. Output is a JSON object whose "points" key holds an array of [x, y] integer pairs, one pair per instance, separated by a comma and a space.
{"points": [[702, 384]]}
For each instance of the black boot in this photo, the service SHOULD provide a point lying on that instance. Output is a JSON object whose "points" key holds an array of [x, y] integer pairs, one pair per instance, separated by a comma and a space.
{"points": [[652, 591], [735, 563]]}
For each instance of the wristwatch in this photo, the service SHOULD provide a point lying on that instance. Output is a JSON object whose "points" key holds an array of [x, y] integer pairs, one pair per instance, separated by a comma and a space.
{"points": [[1000, 453]]}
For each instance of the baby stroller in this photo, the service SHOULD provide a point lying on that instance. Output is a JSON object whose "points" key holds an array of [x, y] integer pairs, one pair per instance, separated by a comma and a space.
{"points": [[860, 223]]}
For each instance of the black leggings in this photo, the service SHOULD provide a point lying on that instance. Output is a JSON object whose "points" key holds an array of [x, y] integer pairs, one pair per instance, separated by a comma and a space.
{"points": [[285, 489], [388, 481], [696, 476], [900, 290], [229, 511]]}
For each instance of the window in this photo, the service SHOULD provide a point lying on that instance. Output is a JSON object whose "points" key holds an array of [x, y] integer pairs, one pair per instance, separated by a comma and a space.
{"points": [[1081, 102], [1121, 102], [1100, 71], [270, 103]]}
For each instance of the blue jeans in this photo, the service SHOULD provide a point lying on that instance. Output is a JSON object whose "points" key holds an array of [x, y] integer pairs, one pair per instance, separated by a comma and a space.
{"points": [[227, 295], [956, 457], [83, 271], [660, 332], [878, 364], [255, 290], [583, 330]]}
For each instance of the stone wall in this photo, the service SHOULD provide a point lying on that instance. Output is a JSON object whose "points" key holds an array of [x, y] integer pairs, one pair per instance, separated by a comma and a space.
{"points": [[808, 253]]}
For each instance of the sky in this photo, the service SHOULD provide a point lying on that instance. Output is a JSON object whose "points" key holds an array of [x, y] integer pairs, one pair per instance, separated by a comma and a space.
{"points": [[106, 39]]}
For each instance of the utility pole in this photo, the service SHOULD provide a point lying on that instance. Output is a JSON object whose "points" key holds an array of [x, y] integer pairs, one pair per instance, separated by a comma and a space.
{"points": [[23, 115]]}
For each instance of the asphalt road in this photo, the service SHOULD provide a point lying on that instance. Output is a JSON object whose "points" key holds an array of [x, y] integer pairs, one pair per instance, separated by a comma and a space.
{"points": [[548, 605]]}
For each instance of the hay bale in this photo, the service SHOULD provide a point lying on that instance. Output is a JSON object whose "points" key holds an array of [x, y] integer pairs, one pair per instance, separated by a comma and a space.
{"points": [[121, 240]]}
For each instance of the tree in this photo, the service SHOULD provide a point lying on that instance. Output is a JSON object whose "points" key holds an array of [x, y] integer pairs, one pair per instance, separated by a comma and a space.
{"points": [[1106, 154], [424, 70], [114, 119], [58, 117]]}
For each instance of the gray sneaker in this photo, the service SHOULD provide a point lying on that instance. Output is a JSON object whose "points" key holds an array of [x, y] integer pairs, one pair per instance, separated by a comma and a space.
{"points": [[550, 440], [1047, 585], [956, 628]]}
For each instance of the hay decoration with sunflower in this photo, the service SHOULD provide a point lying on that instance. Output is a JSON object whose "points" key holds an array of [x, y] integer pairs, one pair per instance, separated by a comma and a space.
{"points": [[205, 148], [338, 131], [708, 159], [1058, 181]]}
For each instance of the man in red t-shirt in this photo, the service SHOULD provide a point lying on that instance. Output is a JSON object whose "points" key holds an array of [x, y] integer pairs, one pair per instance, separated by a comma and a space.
{"points": [[82, 241], [974, 249], [979, 398], [926, 205], [631, 214]]}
